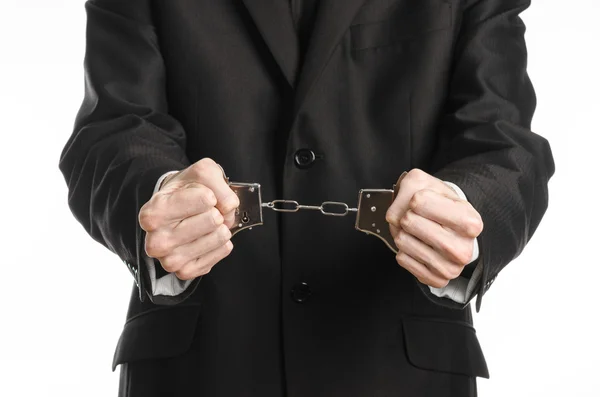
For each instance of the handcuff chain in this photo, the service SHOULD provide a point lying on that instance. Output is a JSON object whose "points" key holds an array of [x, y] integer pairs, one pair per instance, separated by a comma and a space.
{"points": [[296, 206], [279, 206]]}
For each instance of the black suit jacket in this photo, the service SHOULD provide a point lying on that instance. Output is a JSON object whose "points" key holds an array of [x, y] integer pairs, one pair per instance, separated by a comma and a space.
{"points": [[386, 86]]}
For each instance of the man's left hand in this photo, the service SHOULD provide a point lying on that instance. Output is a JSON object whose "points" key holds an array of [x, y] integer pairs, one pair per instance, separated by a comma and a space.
{"points": [[433, 228]]}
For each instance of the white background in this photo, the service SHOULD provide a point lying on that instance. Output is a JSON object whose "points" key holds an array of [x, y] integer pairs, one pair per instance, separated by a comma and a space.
{"points": [[539, 322]]}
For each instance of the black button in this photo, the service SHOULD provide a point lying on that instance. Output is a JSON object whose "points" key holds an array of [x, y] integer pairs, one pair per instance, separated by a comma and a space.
{"points": [[304, 158], [301, 292]]}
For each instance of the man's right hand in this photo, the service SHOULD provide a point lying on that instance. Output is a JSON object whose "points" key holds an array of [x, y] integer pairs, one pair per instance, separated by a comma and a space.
{"points": [[187, 220]]}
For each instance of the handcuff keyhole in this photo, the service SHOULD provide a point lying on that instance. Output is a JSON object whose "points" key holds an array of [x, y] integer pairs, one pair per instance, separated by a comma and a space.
{"points": [[245, 218]]}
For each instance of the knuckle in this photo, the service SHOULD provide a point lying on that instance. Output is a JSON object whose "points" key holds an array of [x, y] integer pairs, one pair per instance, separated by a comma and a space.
{"points": [[172, 264], [224, 234], [148, 219], [234, 201], [400, 258], [416, 176], [185, 274], [418, 199], [156, 245], [429, 260], [230, 202], [464, 256], [203, 167], [227, 206], [207, 196], [215, 217], [474, 226], [197, 170], [207, 163], [229, 219], [391, 216], [461, 253], [406, 220], [400, 239], [168, 266], [228, 247], [455, 272]]}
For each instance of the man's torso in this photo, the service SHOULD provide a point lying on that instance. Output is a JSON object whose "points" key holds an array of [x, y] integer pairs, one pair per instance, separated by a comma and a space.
{"points": [[305, 303]]}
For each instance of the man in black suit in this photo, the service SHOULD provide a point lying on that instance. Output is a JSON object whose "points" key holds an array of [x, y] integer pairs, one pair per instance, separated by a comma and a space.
{"points": [[314, 100]]}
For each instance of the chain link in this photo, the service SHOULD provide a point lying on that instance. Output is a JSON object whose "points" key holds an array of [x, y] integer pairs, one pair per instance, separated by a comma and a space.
{"points": [[294, 206]]}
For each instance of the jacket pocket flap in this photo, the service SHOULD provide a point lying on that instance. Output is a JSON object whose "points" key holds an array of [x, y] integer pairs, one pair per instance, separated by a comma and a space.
{"points": [[160, 333], [444, 346]]}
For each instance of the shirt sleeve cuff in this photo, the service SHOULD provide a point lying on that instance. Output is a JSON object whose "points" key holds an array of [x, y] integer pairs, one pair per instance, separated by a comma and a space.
{"points": [[161, 179]]}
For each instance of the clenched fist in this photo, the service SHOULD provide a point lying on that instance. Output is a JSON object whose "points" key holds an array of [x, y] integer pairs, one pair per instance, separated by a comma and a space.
{"points": [[187, 221], [433, 229]]}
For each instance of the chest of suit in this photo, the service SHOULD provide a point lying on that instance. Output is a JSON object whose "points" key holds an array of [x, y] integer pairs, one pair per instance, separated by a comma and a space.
{"points": [[363, 94]]}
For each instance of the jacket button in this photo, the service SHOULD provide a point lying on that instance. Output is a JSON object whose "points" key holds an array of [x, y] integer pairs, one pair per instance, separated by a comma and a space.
{"points": [[304, 158], [301, 292]]}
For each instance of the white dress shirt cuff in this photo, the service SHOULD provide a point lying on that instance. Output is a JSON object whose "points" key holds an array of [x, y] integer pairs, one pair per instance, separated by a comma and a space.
{"points": [[161, 179]]}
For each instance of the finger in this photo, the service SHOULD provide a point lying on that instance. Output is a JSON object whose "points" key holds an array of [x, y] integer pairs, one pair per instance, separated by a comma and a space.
{"points": [[162, 242], [208, 172], [229, 219], [452, 246], [200, 246], [406, 186], [227, 200], [420, 271], [454, 213], [426, 255], [204, 264], [167, 207], [400, 204], [197, 226]]}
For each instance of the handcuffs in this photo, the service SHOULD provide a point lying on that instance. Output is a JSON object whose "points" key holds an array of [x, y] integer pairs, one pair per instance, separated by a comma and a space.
{"points": [[370, 211]]}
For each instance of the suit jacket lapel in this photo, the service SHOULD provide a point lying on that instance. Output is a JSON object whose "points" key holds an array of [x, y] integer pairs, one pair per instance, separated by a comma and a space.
{"points": [[333, 19], [273, 18]]}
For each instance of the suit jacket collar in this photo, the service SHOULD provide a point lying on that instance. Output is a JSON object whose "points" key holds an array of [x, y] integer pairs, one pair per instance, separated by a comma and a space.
{"points": [[332, 21], [273, 19]]}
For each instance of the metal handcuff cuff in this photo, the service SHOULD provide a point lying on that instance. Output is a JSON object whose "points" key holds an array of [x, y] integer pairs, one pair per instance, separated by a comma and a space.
{"points": [[370, 211]]}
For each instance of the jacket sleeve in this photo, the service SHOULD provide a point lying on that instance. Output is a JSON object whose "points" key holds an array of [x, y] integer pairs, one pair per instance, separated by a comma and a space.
{"points": [[124, 138], [485, 145]]}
